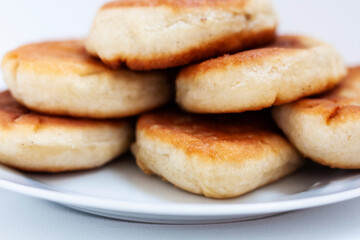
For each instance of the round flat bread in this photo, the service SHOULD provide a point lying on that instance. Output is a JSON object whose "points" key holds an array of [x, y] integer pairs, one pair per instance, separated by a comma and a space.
{"points": [[217, 156], [158, 34], [326, 128], [34, 142], [60, 78], [291, 68]]}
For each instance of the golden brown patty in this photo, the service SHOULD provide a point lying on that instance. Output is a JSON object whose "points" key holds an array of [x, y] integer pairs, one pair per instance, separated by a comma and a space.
{"points": [[289, 69], [35, 142], [326, 128], [61, 78], [217, 156], [145, 35]]}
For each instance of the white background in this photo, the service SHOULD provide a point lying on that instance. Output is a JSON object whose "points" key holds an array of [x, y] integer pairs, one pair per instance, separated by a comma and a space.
{"points": [[21, 217]]}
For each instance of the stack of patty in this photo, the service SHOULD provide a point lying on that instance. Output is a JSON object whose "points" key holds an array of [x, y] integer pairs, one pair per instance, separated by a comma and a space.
{"points": [[229, 68], [68, 111]]}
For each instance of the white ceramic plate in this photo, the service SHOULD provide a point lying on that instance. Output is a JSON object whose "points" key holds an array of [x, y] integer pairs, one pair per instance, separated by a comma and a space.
{"points": [[120, 190]]}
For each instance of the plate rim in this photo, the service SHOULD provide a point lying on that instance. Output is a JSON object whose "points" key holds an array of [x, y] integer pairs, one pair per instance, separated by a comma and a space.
{"points": [[54, 194]]}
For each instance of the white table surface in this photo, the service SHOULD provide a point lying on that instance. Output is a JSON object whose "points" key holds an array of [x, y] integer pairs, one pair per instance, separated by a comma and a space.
{"points": [[23, 217]]}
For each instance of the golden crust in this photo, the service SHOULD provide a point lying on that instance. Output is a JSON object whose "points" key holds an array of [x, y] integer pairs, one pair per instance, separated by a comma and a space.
{"points": [[174, 3], [219, 156], [326, 127], [286, 44], [339, 105], [72, 83], [229, 138], [230, 44], [259, 78], [177, 33], [36, 142], [11, 112], [57, 57]]}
